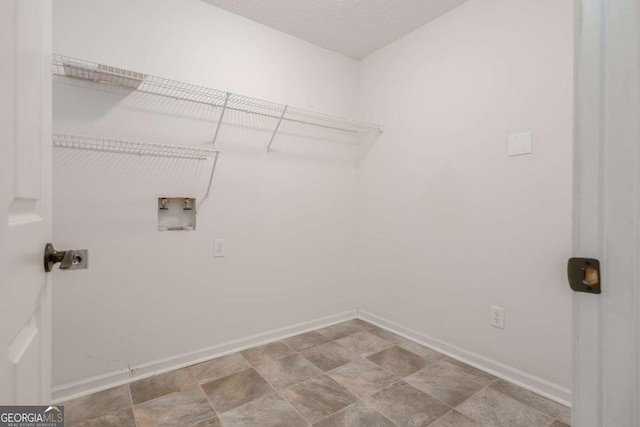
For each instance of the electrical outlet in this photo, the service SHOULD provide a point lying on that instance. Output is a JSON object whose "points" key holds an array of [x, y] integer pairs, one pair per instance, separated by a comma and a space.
{"points": [[497, 317], [218, 248]]}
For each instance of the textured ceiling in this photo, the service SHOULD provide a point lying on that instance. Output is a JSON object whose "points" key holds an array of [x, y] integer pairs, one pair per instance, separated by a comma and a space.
{"points": [[352, 27]]}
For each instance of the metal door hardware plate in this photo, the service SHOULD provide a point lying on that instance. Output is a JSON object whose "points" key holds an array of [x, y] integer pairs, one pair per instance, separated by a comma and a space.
{"points": [[584, 275], [73, 259]]}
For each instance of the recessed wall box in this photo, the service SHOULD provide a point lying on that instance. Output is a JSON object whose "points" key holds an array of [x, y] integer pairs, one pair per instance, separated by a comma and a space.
{"points": [[176, 213]]}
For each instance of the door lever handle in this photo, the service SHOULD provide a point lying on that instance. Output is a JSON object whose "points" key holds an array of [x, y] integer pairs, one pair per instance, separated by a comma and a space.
{"points": [[73, 259]]}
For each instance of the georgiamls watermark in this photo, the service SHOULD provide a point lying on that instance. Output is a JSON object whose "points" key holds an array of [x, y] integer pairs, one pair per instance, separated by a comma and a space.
{"points": [[31, 416]]}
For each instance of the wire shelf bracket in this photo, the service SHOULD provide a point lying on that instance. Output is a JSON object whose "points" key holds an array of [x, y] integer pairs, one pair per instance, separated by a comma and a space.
{"points": [[213, 170], [159, 86], [224, 109], [275, 131]]}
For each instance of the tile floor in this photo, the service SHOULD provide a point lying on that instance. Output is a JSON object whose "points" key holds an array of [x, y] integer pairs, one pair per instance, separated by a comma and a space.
{"points": [[349, 374]]}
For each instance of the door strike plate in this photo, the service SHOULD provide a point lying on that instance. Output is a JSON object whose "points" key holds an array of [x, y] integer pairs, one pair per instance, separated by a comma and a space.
{"points": [[584, 275]]}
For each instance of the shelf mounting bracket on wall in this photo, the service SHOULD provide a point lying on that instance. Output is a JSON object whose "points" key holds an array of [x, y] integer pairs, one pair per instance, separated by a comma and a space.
{"points": [[224, 109], [215, 138], [275, 131], [213, 169]]}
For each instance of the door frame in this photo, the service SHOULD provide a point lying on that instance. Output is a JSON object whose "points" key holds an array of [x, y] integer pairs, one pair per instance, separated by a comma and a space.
{"points": [[607, 211]]}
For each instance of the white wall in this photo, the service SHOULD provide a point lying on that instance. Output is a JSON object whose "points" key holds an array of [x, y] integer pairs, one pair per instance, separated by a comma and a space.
{"points": [[436, 225], [288, 218], [452, 224]]}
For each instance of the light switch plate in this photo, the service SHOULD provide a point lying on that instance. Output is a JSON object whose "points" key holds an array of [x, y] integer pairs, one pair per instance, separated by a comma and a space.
{"points": [[521, 143]]}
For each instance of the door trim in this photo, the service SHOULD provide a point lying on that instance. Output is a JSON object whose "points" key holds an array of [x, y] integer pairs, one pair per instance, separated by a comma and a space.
{"points": [[606, 213]]}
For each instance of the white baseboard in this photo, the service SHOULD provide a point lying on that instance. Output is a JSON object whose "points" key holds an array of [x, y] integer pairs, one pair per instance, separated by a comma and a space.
{"points": [[530, 382], [97, 383]]}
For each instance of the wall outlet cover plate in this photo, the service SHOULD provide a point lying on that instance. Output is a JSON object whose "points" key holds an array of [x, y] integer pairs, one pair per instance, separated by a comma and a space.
{"points": [[521, 143]]}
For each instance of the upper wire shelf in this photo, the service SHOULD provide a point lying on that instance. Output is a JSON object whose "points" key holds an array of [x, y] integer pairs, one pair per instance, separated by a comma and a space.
{"points": [[93, 143], [100, 73]]}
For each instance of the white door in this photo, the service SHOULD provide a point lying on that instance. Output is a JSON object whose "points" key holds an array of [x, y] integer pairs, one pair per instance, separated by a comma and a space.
{"points": [[607, 212], [25, 201]]}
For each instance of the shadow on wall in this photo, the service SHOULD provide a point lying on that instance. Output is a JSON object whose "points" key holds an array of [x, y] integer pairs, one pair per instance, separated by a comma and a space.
{"points": [[68, 102], [121, 169]]}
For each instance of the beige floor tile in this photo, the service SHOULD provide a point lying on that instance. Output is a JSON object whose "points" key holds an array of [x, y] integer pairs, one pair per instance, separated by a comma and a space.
{"points": [[318, 397], [362, 377], [468, 371], [412, 346], [220, 367], [491, 408], [444, 384], [455, 419], [386, 335], [329, 356], [422, 351], [160, 385], [320, 376], [287, 371], [272, 351], [186, 408], [398, 361], [407, 406], [364, 343], [123, 418], [363, 324], [112, 401], [527, 397], [565, 415], [359, 414], [304, 341], [343, 329], [235, 390], [267, 411]]}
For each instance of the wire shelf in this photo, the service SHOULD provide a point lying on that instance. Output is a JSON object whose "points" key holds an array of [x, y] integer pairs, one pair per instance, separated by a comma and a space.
{"points": [[91, 143], [105, 74]]}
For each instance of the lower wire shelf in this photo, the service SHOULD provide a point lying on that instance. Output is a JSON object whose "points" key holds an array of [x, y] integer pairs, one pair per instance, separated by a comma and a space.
{"points": [[93, 143]]}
